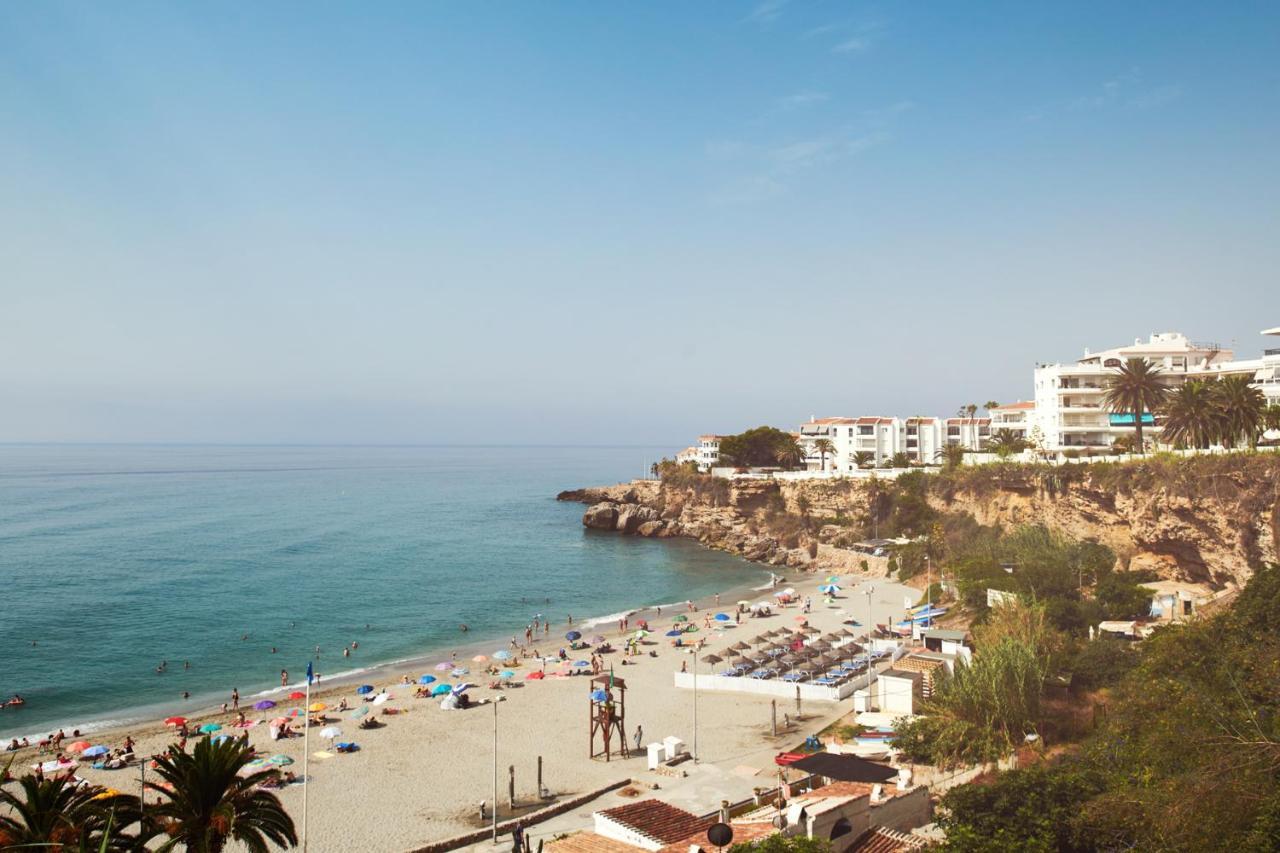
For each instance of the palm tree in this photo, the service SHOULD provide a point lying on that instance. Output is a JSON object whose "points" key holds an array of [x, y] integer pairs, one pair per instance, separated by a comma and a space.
{"points": [[211, 803], [900, 460], [951, 456], [1241, 407], [1135, 389], [790, 454], [1006, 442], [1271, 417], [822, 447], [54, 813], [863, 458], [989, 405], [1190, 416]]}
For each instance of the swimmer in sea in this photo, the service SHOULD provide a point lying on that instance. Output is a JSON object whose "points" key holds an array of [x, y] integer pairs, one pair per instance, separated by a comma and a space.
{"points": [[463, 628]]}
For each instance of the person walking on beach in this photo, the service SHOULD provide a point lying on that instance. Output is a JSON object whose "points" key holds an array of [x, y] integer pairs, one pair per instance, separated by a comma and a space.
{"points": [[235, 699], [639, 736], [717, 599]]}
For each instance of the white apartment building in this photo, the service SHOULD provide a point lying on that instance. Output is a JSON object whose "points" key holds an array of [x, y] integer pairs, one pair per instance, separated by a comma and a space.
{"points": [[1068, 397], [1015, 417], [971, 433], [689, 454], [708, 452], [920, 438]]}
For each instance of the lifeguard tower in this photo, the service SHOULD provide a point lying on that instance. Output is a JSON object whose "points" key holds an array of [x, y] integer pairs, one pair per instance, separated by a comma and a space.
{"points": [[608, 716]]}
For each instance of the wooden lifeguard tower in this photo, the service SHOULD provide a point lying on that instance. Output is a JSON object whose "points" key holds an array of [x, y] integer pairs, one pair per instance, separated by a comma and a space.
{"points": [[608, 716]]}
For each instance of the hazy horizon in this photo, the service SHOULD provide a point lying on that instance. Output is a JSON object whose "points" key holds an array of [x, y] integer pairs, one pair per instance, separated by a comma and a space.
{"points": [[558, 225]]}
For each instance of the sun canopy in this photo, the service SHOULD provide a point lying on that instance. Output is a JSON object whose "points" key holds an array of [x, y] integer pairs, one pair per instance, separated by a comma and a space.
{"points": [[845, 768]]}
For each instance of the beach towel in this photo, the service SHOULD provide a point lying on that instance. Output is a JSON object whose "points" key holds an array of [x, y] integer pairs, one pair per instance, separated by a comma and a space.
{"points": [[322, 754]]}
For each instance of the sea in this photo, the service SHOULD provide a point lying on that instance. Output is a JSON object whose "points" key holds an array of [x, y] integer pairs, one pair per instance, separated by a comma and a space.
{"points": [[234, 563]]}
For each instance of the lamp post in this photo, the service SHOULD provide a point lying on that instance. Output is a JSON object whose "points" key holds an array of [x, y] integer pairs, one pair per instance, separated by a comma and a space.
{"points": [[496, 700], [695, 707], [870, 621]]}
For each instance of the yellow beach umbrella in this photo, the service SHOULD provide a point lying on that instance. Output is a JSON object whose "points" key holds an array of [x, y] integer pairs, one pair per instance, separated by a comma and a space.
{"points": [[317, 706]]}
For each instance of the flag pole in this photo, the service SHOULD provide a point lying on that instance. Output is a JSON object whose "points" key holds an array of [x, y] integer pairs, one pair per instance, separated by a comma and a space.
{"points": [[306, 753]]}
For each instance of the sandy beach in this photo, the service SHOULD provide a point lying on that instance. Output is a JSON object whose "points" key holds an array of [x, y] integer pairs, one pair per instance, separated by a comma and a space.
{"points": [[419, 777]]}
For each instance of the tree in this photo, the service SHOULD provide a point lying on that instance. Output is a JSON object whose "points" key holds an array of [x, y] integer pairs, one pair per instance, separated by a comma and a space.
{"points": [[54, 813], [951, 456], [1005, 442], [1191, 417], [989, 405], [790, 454], [900, 460], [779, 843], [755, 447], [1135, 390], [1241, 408], [822, 447], [210, 803], [863, 458], [1031, 810]]}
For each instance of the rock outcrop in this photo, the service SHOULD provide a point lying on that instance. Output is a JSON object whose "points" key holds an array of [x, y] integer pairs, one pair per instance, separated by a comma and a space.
{"points": [[1208, 520]]}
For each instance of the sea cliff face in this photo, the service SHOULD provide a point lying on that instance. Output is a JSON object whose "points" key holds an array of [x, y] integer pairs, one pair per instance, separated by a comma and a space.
{"points": [[1209, 520]]}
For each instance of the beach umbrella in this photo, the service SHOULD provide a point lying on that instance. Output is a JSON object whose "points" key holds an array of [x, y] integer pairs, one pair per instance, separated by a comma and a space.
{"points": [[330, 732], [506, 675], [832, 579], [426, 679], [360, 712], [317, 706], [461, 688], [107, 793], [809, 629], [712, 659], [460, 671], [297, 694], [829, 588], [723, 617], [210, 728], [479, 658], [78, 746], [582, 663], [599, 695], [641, 633], [740, 646], [221, 738], [444, 666], [502, 654], [364, 689], [94, 751], [175, 721], [381, 698], [760, 639], [280, 760], [441, 689], [264, 704], [681, 618], [674, 633], [572, 635], [534, 676]]}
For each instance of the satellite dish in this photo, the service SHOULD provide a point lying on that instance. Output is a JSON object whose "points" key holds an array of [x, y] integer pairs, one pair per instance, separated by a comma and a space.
{"points": [[720, 834]]}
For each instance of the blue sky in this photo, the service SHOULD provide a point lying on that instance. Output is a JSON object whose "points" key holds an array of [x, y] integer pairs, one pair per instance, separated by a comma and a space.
{"points": [[611, 223]]}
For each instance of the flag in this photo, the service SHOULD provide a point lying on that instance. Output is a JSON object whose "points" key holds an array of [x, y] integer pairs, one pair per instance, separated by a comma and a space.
{"points": [[610, 676], [310, 676]]}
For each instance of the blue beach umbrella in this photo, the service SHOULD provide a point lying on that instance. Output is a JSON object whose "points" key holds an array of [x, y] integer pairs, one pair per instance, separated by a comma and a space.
{"points": [[723, 617], [582, 663], [502, 654], [829, 589], [674, 633], [461, 670], [209, 728], [364, 689], [426, 679], [441, 689], [506, 675], [599, 695], [221, 738], [572, 635], [94, 751]]}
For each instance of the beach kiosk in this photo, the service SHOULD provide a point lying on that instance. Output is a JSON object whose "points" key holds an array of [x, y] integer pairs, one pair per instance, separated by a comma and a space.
{"points": [[608, 716]]}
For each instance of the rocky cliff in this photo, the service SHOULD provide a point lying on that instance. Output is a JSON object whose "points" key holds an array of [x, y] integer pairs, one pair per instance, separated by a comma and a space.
{"points": [[1209, 519]]}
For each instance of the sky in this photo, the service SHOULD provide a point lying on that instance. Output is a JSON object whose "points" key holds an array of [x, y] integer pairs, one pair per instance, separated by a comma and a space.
{"points": [[589, 223]]}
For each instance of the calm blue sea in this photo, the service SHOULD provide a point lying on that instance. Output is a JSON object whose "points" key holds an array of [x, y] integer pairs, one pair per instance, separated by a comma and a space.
{"points": [[113, 558]]}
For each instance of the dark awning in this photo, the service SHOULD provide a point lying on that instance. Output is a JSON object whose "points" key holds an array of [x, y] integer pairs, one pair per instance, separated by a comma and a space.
{"points": [[845, 768]]}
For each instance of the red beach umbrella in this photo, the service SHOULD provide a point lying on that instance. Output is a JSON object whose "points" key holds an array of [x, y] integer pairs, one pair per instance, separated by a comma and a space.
{"points": [[175, 721], [297, 694], [534, 676]]}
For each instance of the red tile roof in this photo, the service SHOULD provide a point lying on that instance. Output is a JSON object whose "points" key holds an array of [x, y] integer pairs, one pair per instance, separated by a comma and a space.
{"points": [[833, 421], [587, 842], [978, 421], [885, 840], [743, 833], [659, 821], [1021, 404]]}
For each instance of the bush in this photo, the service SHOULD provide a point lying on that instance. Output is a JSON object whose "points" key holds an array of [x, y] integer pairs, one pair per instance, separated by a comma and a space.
{"points": [[1101, 662]]}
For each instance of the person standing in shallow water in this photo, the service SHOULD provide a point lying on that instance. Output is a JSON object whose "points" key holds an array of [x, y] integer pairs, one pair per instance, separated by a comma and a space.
{"points": [[284, 678]]}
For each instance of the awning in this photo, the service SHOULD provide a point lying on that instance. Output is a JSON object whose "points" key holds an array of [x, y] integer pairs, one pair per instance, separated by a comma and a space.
{"points": [[845, 768]]}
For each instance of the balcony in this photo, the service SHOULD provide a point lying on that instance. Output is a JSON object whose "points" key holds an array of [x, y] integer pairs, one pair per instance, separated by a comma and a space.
{"points": [[1081, 389]]}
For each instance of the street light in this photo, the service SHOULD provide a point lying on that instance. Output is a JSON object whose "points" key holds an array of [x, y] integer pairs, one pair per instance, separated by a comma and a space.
{"points": [[870, 621], [695, 707], [496, 700]]}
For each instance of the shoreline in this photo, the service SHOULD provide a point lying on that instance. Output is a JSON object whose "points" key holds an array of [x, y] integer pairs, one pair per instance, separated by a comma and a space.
{"points": [[115, 724]]}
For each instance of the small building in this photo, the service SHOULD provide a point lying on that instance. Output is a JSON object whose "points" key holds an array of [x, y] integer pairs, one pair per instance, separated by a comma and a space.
{"points": [[708, 452], [1175, 601], [898, 691], [689, 454], [649, 824], [1122, 630], [950, 643]]}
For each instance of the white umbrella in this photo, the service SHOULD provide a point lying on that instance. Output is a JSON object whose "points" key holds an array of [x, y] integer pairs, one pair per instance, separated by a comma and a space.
{"points": [[331, 732], [380, 698]]}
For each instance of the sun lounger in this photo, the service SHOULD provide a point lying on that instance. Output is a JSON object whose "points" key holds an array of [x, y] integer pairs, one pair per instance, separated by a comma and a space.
{"points": [[794, 676]]}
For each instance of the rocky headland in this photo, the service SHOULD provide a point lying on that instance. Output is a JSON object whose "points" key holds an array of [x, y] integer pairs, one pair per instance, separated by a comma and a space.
{"points": [[1205, 519]]}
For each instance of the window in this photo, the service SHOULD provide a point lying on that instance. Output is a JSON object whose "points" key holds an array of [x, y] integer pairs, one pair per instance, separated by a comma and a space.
{"points": [[866, 430]]}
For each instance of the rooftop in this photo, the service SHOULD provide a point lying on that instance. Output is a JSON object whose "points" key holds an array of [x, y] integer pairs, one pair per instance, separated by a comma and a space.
{"points": [[885, 840], [657, 820]]}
